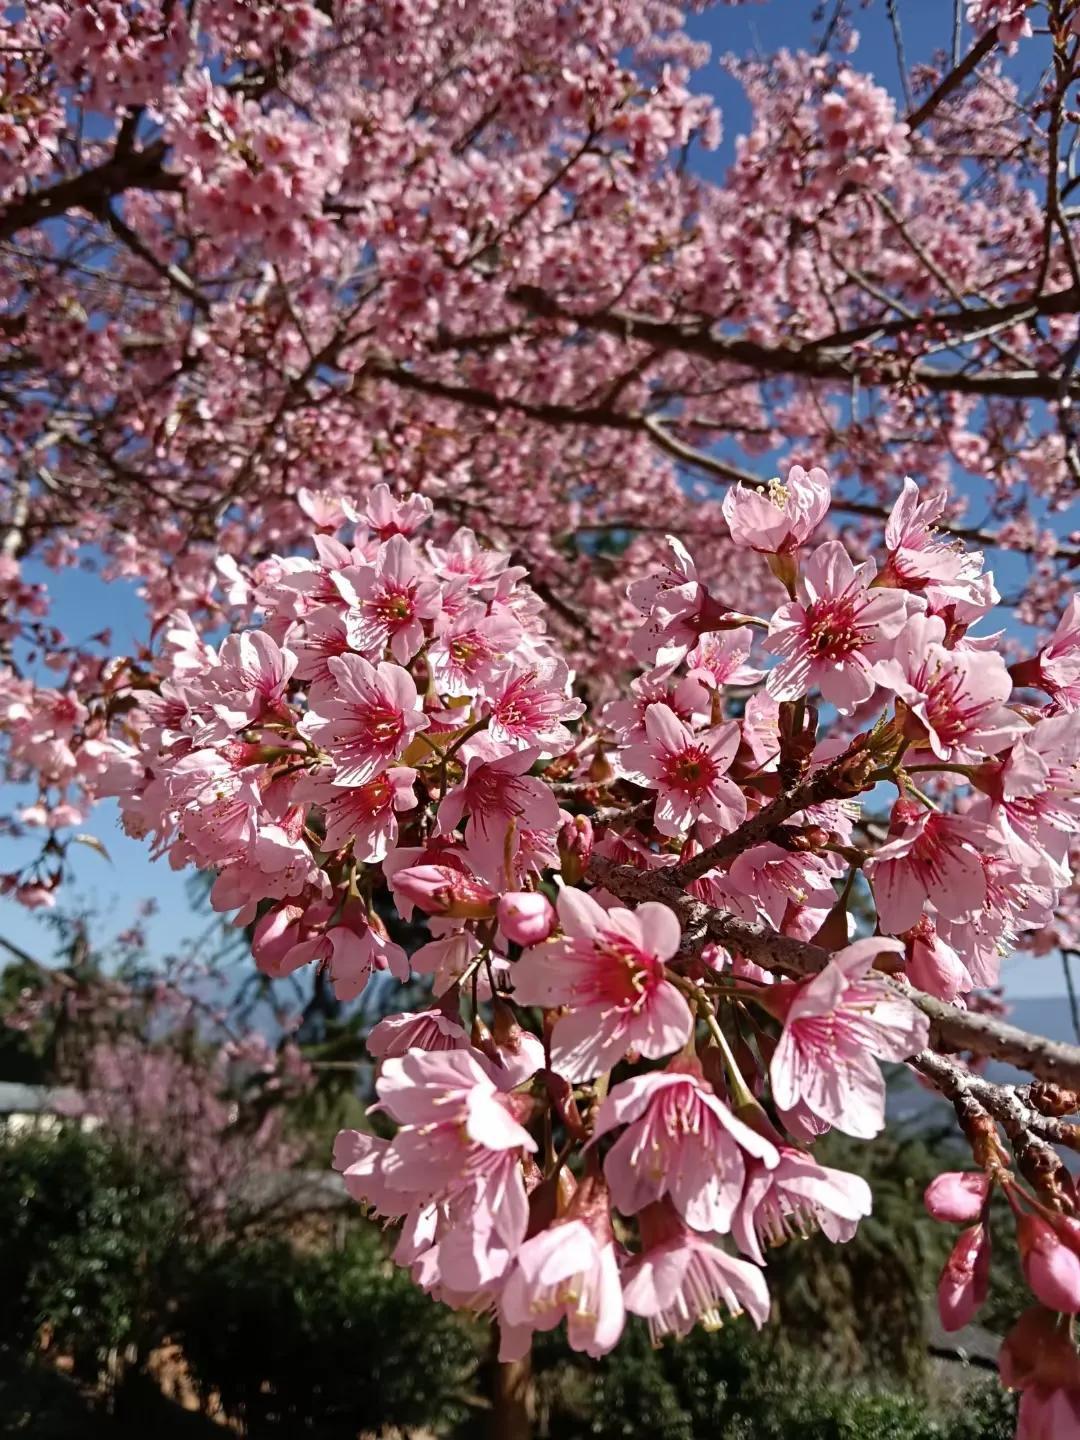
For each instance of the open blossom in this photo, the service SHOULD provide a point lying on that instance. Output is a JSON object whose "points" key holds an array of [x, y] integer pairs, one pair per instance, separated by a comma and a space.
{"points": [[1056, 669], [682, 1279], [832, 633], [680, 1140], [837, 1025], [366, 814], [678, 610], [567, 1271], [782, 517], [501, 802], [687, 771], [946, 572], [528, 708], [251, 678], [461, 1143], [365, 719], [468, 651], [388, 602], [609, 968], [955, 698], [795, 1196], [1033, 798], [721, 658], [927, 857]]}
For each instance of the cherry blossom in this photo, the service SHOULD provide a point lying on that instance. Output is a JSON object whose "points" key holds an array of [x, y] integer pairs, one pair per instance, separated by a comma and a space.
{"points": [[610, 967]]}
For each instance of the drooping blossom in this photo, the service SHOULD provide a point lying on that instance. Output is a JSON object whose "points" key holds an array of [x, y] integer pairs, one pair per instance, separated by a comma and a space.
{"points": [[965, 1279], [679, 1140], [567, 1271], [609, 968], [927, 856], [682, 1279], [837, 1026], [795, 1196]]}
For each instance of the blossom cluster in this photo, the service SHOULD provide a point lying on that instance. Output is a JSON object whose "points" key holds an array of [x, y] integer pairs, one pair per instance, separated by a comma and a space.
{"points": [[605, 1108]]}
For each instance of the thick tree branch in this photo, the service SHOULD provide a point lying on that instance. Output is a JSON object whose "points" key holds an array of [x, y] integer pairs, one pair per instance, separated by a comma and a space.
{"points": [[951, 1029], [808, 360], [130, 170]]}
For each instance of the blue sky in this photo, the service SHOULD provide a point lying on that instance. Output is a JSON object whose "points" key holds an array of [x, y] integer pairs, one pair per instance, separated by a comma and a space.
{"points": [[114, 888]]}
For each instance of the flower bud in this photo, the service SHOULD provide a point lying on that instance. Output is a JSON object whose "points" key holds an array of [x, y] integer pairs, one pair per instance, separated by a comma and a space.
{"points": [[526, 917], [1051, 1268], [958, 1196], [441, 890], [575, 848], [965, 1279]]}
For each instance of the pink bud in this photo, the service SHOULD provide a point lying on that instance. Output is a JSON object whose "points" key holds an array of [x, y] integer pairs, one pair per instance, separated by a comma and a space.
{"points": [[575, 848], [1051, 1268], [958, 1196], [526, 917], [965, 1279], [442, 890]]}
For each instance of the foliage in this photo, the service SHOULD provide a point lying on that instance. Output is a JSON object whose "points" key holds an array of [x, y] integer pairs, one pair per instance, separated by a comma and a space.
{"points": [[94, 1242], [321, 1344]]}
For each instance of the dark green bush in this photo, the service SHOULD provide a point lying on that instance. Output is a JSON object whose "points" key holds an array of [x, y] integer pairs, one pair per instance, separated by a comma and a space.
{"points": [[322, 1344], [91, 1246]]}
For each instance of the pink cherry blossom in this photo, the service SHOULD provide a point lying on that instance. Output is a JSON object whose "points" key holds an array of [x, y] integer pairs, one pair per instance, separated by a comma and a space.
{"points": [[682, 1141], [834, 630], [388, 603], [683, 1279], [566, 1271], [927, 857], [836, 1026], [365, 815], [501, 802], [395, 1035], [365, 719], [610, 968], [795, 1196], [529, 706], [687, 771], [955, 697], [933, 965], [782, 517]]}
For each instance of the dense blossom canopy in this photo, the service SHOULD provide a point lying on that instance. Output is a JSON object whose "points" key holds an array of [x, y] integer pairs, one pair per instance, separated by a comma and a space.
{"points": [[407, 358]]}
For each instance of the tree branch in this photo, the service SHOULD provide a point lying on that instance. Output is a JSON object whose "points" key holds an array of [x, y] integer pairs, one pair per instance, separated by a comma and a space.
{"points": [[951, 1028]]}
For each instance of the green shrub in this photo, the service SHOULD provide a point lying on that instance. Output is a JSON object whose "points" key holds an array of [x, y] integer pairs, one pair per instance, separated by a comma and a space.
{"points": [[323, 1345]]}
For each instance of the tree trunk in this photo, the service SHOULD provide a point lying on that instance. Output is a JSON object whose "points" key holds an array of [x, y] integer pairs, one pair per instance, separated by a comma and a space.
{"points": [[511, 1395]]}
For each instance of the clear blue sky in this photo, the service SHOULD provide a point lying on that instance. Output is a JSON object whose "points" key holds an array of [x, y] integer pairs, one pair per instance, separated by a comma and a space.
{"points": [[83, 605]]}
